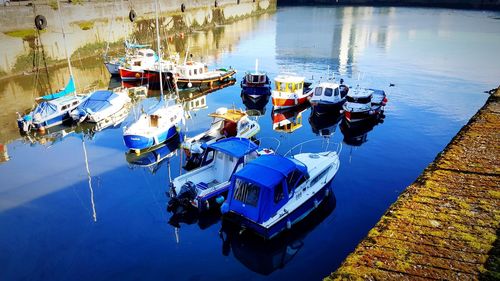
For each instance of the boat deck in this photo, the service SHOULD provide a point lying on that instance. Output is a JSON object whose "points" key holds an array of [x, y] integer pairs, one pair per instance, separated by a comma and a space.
{"points": [[445, 225]]}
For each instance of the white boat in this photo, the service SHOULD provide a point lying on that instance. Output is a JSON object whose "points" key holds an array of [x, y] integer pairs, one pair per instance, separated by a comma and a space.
{"points": [[226, 123], [364, 104], [286, 190], [290, 90], [204, 186], [328, 97], [133, 68], [102, 105], [196, 74]]}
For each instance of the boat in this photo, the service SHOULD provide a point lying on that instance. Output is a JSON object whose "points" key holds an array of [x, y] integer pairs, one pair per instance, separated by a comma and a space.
{"points": [[196, 74], [113, 64], [159, 123], [328, 97], [286, 190], [103, 105], [205, 187], [363, 104], [134, 66], [256, 83], [289, 91], [52, 109], [226, 123], [288, 120]]}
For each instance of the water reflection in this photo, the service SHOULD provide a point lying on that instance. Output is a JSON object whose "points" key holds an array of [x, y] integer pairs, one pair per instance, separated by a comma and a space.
{"points": [[153, 158], [324, 124], [266, 256], [288, 120], [255, 105], [189, 216], [356, 133]]}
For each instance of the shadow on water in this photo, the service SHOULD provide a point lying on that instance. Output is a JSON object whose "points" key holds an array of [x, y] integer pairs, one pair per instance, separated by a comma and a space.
{"points": [[266, 256]]}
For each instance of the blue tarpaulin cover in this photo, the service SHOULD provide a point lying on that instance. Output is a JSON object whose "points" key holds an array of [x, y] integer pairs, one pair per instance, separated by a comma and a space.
{"points": [[44, 109], [269, 170], [70, 88], [97, 101], [135, 46], [236, 147]]}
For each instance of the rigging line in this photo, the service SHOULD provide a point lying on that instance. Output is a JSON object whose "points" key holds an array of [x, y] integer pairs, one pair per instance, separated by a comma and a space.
{"points": [[94, 214]]}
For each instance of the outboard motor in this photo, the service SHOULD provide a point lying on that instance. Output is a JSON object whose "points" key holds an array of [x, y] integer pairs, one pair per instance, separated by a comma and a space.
{"points": [[183, 198]]}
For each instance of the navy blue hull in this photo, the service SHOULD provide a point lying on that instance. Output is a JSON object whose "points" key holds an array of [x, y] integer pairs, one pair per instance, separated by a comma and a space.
{"points": [[293, 217], [256, 91], [327, 108]]}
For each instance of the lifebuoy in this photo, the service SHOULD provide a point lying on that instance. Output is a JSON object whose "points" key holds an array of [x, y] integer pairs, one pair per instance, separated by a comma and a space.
{"points": [[132, 15], [183, 7], [40, 22]]}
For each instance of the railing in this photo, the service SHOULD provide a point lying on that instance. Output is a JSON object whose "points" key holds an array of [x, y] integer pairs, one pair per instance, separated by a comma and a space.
{"points": [[277, 141], [325, 146]]}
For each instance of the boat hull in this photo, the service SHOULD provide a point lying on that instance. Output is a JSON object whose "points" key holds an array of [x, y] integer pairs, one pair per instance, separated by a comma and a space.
{"points": [[327, 107], [256, 90], [280, 103], [292, 218], [185, 83], [358, 116], [113, 68], [130, 75], [137, 142]]}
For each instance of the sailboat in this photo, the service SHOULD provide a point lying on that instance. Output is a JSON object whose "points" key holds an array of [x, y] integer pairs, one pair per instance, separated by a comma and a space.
{"points": [[158, 124], [52, 109]]}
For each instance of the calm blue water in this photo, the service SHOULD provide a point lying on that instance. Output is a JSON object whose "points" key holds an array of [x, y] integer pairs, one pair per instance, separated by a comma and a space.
{"points": [[440, 61]]}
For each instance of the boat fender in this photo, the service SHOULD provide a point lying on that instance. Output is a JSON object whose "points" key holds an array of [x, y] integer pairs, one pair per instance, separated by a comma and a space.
{"points": [[132, 15], [183, 7], [220, 199], [288, 224], [316, 203], [190, 84], [40, 22], [224, 208]]}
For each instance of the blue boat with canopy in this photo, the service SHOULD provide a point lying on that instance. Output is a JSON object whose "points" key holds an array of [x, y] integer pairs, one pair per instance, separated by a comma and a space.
{"points": [[274, 192], [53, 109]]}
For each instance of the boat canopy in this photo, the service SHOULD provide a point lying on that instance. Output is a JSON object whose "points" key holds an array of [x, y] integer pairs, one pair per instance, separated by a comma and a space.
{"points": [[272, 169], [236, 147], [43, 110], [230, 114], [98, 101], [70, 88]]}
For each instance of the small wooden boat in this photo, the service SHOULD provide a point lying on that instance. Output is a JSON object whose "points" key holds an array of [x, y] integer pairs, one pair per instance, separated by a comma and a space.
{"points": [[328, 97], [290, 91], [205, 186], [256, 83], [286, 190], [363, 104], [226, 123], [196, 74]]}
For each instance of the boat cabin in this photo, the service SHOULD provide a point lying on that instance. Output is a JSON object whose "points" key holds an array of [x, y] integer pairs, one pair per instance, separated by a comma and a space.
{"points": [[362, 96], [229, 121], [191, 69], [48, 108], [259, 198], [289, 84], [143, 58], [256, 78]]}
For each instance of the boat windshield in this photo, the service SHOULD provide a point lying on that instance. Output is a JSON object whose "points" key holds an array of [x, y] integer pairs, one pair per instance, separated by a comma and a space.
{"points": [[317, 91], [246, 192], [359, 100]]}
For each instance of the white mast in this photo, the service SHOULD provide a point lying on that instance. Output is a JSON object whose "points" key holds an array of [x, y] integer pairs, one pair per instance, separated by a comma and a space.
{"points": [[158, 48], [64, 42], [256, 66]]}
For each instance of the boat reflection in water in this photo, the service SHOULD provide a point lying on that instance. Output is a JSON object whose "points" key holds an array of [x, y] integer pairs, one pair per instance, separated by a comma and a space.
{"points": [[190, 216], [49, 136], [266, 256], [255, 105], [288, 120], [4, 153], [152, 158], [324, 124], [355, 134]]}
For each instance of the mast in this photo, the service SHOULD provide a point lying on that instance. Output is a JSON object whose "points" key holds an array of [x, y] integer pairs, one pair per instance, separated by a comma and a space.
{"points": [[64, 42], [256, 66], [158, 48], [110, 29]]}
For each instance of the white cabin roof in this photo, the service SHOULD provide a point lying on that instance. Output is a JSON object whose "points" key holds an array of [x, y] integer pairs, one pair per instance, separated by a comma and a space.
{"points": [[287, 78], [328, 85], [360, 93]]}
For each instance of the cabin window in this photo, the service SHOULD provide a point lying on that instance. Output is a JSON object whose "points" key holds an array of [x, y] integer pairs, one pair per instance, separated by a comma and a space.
{"points": [[149, 55], [209, 157], [337, 92], [320, 176], [201, 70], [359, 100], [75, 103], [197, 103], [195, 71], [190, 72], [231, 159], [289, 87], [294, 179], [65, 107], [300, 86], [317, 91], [282, 86], [278, 193], [247, 193], [141, 54], [137, 63], [328, 92], [220, 156]]}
